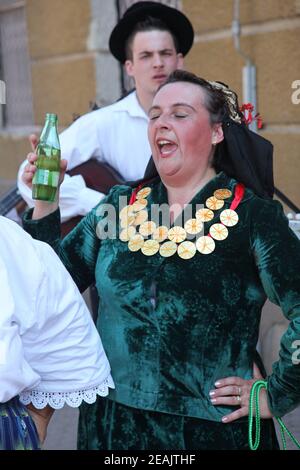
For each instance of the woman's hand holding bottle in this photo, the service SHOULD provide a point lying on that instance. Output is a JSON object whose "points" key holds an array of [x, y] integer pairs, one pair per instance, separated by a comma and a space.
{"points": [[41, 208]]}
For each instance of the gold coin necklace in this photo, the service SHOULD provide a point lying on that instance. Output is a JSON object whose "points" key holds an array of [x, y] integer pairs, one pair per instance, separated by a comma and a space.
{"points": [[136, 226]]}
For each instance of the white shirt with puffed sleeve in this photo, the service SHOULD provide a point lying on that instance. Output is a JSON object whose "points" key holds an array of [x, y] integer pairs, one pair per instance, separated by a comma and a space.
{"points": [[50, 350], [116, 135]]}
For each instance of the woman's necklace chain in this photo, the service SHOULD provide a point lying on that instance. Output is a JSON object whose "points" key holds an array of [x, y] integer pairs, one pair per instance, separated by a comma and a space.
{"points": [[143, 234]]}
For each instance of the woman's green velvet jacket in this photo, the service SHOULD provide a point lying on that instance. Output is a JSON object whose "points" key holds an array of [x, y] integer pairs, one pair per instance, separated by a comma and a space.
{"points": [[171, 327]]}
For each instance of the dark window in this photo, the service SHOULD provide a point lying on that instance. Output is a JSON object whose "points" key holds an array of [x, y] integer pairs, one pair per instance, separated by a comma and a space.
{"points": [[15, 65]]}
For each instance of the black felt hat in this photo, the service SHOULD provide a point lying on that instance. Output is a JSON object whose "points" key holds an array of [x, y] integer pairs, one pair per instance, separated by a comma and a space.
{"points": [[176, 21]]}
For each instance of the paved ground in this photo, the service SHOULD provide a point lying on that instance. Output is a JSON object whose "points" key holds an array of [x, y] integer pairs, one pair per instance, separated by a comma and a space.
{"points": [[292, 422], [62, 430]]}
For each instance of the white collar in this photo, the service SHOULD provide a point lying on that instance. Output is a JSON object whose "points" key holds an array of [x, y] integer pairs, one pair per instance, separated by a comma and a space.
{"points": [[131, 105]]}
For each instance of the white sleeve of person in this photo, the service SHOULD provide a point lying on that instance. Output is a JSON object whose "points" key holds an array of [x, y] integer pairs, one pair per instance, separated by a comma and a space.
{"points": [[15, 372], [50, 351]]}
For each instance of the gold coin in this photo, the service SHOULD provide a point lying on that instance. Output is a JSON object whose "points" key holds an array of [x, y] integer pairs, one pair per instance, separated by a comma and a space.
{"points": [[139, 205], [127, 233], [126, 221], [147, 228], [218, 231], [222, 193], [193, 226], [214, 203], [177, 234], [136, 242], [144, 192], [126, 211], [186, 250], [150, 247], [229, 217], [204, 215], [141, 217], [168, 249], [205, 245], [160, 233]]}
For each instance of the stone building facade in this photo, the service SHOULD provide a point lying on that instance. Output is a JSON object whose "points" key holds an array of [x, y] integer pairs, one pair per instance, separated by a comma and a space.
{"points": [[54, 57]]}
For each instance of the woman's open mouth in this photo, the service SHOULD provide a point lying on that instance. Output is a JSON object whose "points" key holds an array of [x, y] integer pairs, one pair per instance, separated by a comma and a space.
{"points": [[166, 147]]}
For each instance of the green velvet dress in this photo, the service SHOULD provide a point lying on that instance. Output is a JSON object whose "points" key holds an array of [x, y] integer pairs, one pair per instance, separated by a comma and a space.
{"points": [[172, 327]]}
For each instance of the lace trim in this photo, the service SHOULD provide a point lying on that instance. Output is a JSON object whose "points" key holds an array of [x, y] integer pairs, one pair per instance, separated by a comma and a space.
{"points": [[57, 400]]}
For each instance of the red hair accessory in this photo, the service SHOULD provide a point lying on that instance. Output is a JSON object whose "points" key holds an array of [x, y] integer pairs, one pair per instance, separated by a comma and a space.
{"points": [[247, 110]]}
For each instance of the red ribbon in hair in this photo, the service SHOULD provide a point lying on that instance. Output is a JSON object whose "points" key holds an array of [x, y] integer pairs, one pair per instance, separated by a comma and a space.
{"points": [[247, 110]]}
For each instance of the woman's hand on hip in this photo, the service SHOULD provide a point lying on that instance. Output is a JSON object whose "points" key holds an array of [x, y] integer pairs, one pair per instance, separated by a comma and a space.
{"points": [[235, 391]]}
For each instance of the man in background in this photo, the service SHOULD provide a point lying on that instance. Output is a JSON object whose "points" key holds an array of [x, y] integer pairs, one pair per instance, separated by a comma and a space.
{"points": [[150, 40]]}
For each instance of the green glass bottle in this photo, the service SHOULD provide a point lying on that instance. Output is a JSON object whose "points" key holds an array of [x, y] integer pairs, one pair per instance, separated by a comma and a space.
{"points": [[45, 180]]}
